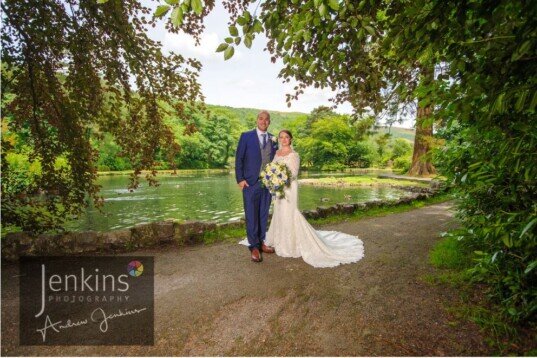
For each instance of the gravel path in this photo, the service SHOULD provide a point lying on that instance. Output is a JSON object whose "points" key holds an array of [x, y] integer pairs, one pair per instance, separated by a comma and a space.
{"points": [[211, 300]]}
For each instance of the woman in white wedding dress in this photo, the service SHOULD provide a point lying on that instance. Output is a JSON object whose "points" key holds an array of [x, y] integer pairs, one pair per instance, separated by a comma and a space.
{"points": [[290, 233]]}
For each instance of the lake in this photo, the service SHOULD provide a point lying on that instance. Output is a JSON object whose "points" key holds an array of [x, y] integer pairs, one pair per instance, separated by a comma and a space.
{"points": [[201, 196]]}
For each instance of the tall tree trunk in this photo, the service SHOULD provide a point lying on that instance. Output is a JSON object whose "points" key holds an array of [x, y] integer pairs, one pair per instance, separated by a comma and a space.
{"points": [[421, 163]]}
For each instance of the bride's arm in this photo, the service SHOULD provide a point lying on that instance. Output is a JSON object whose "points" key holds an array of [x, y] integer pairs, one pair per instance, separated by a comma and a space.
{"points": [[294, 165]]}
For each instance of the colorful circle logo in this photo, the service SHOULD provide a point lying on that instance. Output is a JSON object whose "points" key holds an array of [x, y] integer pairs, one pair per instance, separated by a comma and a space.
{"points": [[135, 268]]}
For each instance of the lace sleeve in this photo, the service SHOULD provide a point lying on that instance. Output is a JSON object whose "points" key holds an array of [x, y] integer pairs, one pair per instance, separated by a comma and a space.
{"points": [[294, 164]]}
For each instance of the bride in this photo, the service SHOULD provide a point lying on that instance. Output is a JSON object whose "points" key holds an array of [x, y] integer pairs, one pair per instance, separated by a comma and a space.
{"points": [[292, 236]]}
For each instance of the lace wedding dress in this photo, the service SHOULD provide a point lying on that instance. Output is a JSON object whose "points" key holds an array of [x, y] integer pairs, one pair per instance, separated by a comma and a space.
{"points": [[292, 236]]}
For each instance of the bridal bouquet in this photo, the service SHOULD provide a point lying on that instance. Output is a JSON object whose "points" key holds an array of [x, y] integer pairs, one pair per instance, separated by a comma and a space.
{"points": [[275, 177]]}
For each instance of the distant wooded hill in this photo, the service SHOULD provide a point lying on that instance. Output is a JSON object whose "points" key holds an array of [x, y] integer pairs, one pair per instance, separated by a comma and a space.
{"points": [[247, 117]]}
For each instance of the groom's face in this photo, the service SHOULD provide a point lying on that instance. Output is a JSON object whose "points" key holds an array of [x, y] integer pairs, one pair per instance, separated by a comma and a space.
{"points": [[263, 122]]}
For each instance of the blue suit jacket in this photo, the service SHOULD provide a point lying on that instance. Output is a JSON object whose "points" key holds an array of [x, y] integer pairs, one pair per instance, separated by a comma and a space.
{"points": [[248, 157]]}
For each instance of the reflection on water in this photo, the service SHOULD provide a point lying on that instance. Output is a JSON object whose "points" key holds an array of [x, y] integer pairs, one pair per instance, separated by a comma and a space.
{"points": [[201, 197]]}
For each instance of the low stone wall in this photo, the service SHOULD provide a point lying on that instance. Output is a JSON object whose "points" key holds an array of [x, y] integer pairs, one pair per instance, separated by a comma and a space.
{"points": [[162, 232]]}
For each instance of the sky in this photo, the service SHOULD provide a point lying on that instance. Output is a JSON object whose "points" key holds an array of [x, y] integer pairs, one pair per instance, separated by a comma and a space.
{"points": [[248, 79]]}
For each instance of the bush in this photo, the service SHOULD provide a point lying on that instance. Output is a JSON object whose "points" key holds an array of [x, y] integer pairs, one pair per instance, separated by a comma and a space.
{"points": [[402, 164], [361, 154], [496, 177]]}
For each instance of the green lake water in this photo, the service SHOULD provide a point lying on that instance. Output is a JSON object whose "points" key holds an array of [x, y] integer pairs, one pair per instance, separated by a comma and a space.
{"points": [[200, 196]]}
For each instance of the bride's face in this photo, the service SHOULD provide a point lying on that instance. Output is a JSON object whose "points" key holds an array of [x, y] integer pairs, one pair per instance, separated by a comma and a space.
{"points": [[284, 138]]}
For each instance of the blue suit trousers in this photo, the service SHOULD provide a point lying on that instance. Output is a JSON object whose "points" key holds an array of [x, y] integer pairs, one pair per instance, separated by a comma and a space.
{"points": [[256, 201]]}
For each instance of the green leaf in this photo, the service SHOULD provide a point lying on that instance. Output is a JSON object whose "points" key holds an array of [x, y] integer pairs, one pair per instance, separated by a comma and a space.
{"points": [[247, 16], [241, 21], [507, 240], [258, 26], [248, 40], [334, 4], [228, 40], [237, 40], [370, 30], [233, 31], [171, 2], [530, 267], [529, 226], [222, 47], [522, 50], [229, 53], [197, 6], [162, 10], [323, 10], [177, 16], [102, 1], [361, 33]]}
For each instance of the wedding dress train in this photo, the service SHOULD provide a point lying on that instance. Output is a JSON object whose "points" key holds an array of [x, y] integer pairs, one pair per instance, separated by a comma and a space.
{"points": [[292, 236]]}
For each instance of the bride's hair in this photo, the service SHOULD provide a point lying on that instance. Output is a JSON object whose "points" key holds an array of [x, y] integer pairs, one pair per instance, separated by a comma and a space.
{"points": [[288, 133]]}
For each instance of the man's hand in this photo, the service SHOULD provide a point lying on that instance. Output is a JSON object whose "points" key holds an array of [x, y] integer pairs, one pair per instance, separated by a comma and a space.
{"points": [[243, 184]]}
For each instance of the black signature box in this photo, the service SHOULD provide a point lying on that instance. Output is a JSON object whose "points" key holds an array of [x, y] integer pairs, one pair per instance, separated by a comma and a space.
{"points": [[86, 300]]}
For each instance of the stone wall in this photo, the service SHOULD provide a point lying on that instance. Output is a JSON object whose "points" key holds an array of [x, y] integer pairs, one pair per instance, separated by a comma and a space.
{"points": [[162, 232]]}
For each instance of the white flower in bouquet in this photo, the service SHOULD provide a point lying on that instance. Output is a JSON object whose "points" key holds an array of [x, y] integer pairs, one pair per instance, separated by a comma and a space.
{"points": [[275, 177]]}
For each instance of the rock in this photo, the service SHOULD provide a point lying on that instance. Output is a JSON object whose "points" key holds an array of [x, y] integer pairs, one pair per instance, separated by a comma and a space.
{"points": [[142, 235], [237, 224], [405, 200], [373, 204], [85, 241], [310, 214], [163, 231], [25, 242], [345, 208], [209, 225], [116, 239], [49, 244], [322, 211], [9, 253], [189, 232]]}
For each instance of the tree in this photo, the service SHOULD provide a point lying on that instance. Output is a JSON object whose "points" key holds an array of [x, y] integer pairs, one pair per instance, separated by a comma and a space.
{"points": [[217, 130], [77, 68], [342, 45], [468, 65], [327, 146]]}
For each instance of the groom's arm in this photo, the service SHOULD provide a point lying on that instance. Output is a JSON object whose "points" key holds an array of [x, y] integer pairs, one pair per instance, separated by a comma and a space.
{"points": [[239, 159]]}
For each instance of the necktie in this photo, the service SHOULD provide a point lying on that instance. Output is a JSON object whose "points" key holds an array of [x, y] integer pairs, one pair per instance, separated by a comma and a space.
{"points": [[264, 140]]}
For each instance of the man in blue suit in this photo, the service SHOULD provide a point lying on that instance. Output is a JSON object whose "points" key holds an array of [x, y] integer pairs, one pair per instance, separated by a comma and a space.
{"points": [[256, 148]]}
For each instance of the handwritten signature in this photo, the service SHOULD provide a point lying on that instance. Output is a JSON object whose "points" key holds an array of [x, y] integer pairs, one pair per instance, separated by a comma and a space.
{"points": [[98, 315]]}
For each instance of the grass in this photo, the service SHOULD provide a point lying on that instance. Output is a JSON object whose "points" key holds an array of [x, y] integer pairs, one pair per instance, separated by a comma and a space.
{"points": [[448, 254], [453, 260], [231, 234], [362, 180], [222, 235], [382, 211]]}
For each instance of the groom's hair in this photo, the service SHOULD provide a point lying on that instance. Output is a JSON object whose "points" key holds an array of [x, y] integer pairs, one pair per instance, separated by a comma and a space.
{"points": [[264, 112]]}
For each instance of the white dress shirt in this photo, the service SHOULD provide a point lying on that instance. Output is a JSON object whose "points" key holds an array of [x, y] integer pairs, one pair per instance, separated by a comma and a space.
{"points": [[260, 137]]}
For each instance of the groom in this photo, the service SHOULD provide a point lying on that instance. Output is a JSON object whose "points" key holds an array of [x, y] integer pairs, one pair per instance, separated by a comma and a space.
{"points": [[256, 148]]}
